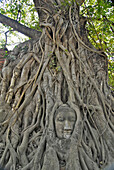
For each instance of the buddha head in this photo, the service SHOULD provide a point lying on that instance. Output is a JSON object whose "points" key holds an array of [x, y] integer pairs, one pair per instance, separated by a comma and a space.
{"points": [[64, 121]]}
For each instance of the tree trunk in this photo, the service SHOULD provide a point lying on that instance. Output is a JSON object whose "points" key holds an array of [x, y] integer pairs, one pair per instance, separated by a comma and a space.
{"points": [[56, 107]]}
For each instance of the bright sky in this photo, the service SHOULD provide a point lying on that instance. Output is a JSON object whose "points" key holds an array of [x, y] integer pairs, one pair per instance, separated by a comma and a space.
{"points": [[12, 39]]}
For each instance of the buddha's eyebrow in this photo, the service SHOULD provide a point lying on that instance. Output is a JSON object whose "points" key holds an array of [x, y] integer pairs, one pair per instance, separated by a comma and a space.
{"points": [[60, 116]]}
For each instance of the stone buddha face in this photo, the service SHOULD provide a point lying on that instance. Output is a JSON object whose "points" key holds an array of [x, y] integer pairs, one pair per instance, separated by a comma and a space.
{"points": [[65, 119]]}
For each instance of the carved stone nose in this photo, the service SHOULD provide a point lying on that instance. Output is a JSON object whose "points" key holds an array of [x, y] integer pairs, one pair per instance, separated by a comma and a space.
{"points": [[67, 127], [67, 130]]}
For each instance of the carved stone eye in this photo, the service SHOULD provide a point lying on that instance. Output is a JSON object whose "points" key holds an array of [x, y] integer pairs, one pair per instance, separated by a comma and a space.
{"points": [[60, 119], [72, 119]]}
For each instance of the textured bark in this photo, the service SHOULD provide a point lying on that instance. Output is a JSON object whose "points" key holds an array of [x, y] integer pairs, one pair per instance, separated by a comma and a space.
{"points": [[19, 27], [60, 69]]}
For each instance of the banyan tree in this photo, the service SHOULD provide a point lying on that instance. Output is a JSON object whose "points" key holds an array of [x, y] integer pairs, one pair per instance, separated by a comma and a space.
{"points": [[56, 108]]}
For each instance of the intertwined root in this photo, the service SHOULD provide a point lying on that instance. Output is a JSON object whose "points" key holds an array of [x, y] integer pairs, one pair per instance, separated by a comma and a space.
{"points": [[58, 68]]}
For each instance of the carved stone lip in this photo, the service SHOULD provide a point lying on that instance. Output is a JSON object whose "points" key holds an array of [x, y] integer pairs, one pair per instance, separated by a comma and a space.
{"points": [[67, 130]]}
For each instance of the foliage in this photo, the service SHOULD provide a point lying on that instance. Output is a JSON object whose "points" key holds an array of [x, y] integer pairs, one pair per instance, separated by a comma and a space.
{"points": [[111, 73], [23, 11], [100, 27]]}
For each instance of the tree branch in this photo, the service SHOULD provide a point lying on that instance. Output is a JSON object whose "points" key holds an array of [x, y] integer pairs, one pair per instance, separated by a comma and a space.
{"points": [[19, 27]]}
